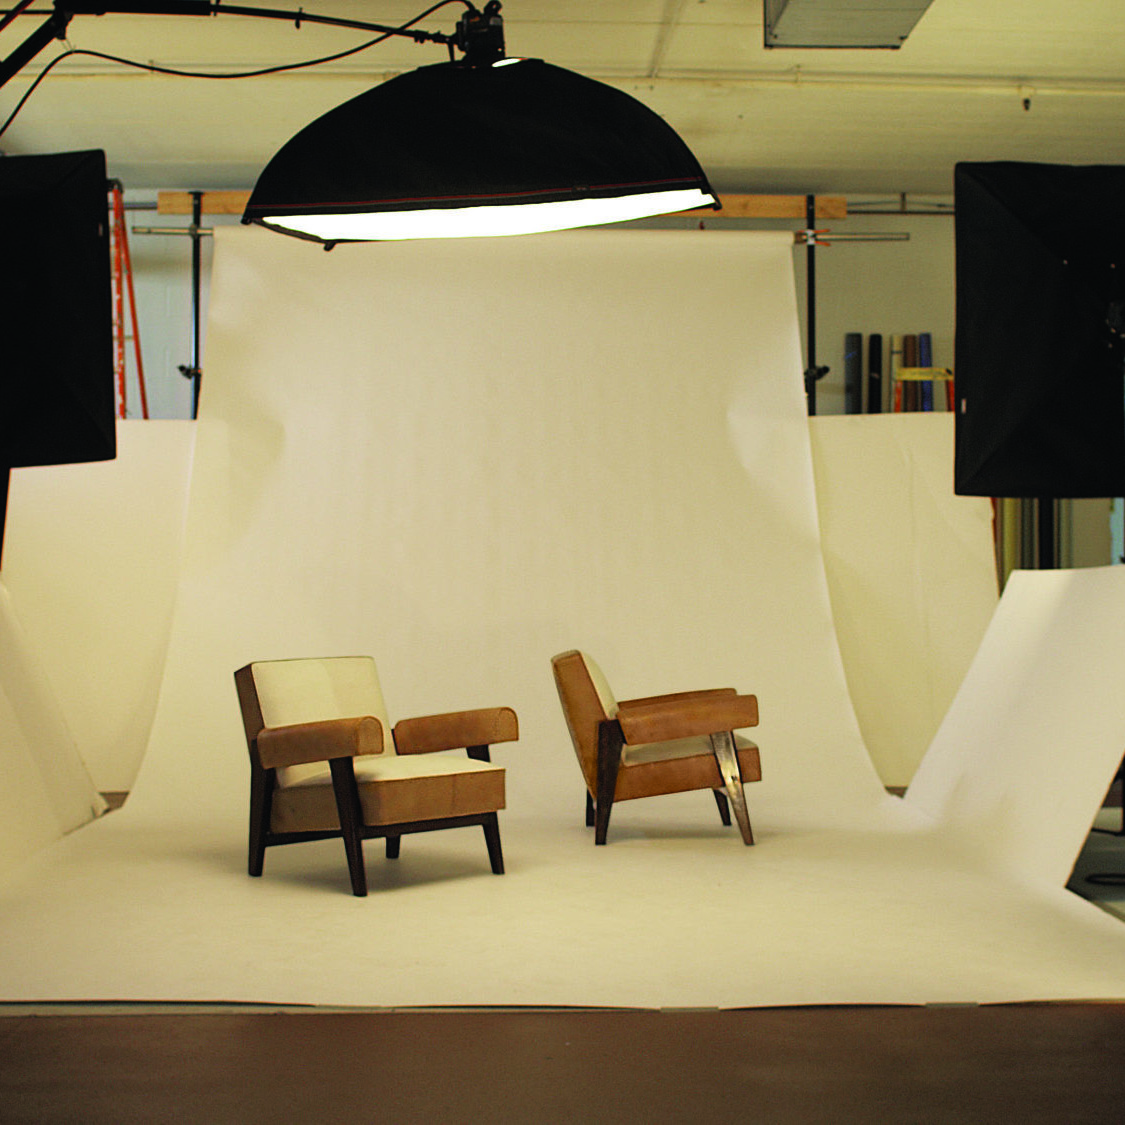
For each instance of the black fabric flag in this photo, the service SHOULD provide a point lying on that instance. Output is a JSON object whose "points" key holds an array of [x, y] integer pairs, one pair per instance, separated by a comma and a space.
{"points": [[56, 319], [1040, 341]]}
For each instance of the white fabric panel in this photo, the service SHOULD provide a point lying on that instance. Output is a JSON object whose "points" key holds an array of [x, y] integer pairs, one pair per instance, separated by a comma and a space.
{"points": [[46, 790], [467, 459], [92, 563], [1021, 763], [911, 574]]}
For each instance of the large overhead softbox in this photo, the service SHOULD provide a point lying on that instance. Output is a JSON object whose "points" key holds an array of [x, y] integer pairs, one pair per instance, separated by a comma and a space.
{"points": [[1040, 330], [56, 326]]}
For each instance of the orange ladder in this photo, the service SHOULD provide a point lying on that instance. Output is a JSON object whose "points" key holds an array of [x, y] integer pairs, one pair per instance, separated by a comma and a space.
{"points": [[122, 285]]}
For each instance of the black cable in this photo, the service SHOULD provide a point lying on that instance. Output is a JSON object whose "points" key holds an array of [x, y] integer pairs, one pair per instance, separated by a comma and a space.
{"points": [[281, 68]]}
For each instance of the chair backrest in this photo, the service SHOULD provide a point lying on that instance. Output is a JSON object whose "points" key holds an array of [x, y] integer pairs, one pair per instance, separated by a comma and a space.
{"points": [[310, 689], [586, 700]]}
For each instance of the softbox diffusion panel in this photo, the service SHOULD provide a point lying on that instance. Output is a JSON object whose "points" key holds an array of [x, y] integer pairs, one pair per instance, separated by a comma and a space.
{"points": [[56, 321], [1040, 303]]}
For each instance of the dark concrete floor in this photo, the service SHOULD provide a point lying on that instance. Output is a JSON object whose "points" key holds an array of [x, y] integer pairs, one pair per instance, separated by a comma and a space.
{"points": [[996, 1064]]}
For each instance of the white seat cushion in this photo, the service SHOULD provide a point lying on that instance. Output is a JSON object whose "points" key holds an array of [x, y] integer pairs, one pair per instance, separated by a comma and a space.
{"points": [[677, 748], [385, 767]]}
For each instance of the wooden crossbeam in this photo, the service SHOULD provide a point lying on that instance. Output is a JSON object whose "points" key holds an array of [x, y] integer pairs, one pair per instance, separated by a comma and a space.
{"points": [[734, 206], [213, 202]]}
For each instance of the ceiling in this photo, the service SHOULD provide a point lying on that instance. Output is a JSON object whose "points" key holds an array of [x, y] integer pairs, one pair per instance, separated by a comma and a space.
{"points": [[1039, 80]]}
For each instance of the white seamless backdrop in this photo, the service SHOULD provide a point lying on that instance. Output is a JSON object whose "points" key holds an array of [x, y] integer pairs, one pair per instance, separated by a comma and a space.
{"points": [[462, 458]]}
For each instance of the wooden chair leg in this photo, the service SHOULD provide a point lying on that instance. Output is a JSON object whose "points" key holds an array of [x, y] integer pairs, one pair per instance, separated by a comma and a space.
{"points": [[351, 821], [724, 807], [589, 810], [394, 843], [727, 758], [492, 839], [610, 742], [261, 800]]}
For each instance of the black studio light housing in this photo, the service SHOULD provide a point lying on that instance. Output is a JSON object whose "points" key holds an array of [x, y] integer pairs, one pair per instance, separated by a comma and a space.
{"points": [[480, 145], [485, 145]]}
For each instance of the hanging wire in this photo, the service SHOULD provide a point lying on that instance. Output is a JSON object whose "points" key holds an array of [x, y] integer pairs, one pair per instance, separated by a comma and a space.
{"points": [[177, 73]]}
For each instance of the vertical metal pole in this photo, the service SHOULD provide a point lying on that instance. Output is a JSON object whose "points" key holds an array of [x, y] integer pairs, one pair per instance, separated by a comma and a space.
{"points": [[196, 274], [1048, 549], [810, 302], [192, 371]]}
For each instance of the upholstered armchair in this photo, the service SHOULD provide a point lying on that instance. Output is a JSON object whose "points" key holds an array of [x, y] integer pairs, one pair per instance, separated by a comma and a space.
{"points": [[660, 744], [325, 762]]}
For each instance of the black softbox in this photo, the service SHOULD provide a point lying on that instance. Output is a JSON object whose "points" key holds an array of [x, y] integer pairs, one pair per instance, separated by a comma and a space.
{"points": [[1040, 375], [56, 321]]}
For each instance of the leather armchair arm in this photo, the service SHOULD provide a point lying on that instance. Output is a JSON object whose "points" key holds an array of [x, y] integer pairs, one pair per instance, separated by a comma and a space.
{"points": [[676, 697], [686, 718], [456, 730], [319, 741]]}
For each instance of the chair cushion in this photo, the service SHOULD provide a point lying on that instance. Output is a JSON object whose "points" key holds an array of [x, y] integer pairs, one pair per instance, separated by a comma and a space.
{"points": [[308, 690], [645, 752], [601, 685], [680, 774], [392, 790]]}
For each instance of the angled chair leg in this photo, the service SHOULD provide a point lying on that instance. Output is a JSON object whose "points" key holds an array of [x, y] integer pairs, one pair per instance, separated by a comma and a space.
{"points": [[261, 798], [589, 810], [351, 821], [724, 808], [727, 757], [610, 742], [394, 843], [492, 839]]}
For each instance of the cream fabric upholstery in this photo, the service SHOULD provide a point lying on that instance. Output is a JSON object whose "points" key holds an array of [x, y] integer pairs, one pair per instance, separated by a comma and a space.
{"points": [[668, 751], [305, 691], [393, 789], [395, 768], [601, 685]]}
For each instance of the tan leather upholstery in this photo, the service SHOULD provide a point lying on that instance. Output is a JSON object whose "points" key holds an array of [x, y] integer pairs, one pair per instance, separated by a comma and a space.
{"points": [[686, 718], [456, 730], [582, 708], [305, 743]]}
